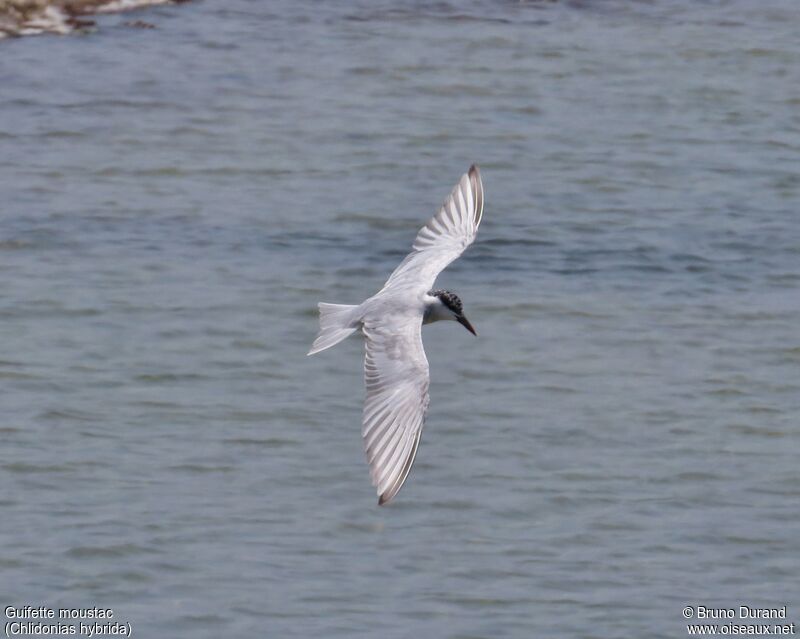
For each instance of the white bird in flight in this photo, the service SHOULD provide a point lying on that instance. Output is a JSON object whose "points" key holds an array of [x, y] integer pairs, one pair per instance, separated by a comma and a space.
{"points": [[395, 366]]}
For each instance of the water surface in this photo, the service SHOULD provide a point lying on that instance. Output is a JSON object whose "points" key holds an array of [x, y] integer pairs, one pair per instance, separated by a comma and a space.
{"points": [[619, 442]]}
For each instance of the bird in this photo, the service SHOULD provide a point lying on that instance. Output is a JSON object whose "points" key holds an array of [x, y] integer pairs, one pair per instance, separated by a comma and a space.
{"points": [[396, 370]]}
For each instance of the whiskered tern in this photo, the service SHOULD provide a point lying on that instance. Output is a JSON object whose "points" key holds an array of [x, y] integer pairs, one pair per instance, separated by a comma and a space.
{"points": [[395, 366]]}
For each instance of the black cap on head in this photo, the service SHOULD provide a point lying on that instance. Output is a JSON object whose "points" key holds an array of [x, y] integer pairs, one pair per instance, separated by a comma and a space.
{"points": [[450, 300]]}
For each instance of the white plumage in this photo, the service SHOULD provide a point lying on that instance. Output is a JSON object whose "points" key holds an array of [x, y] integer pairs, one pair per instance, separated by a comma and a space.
{"points": [[395, 366]]}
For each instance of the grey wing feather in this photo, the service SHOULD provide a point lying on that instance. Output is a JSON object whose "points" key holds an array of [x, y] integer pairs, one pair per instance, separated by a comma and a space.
{"points": [[396, 375], [444, 237]]}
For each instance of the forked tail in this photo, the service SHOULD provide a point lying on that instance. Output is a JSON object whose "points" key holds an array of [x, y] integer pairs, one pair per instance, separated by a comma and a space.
{"points": [[336, 322]]}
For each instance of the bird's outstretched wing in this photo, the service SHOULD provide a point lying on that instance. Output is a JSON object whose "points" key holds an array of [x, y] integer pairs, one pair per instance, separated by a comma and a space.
{"points": [[444, 237], [396, 373]]}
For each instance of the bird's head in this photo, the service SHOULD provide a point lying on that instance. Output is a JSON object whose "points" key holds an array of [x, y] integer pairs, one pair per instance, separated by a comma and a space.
{"points": [[451, 308]]}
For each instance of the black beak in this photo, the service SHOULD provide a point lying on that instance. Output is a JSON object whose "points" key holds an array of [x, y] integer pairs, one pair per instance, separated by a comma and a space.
{"points": [[465, 323]]}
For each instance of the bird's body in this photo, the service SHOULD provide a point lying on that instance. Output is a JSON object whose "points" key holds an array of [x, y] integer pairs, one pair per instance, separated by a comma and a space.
{"points": [[395, 366]]}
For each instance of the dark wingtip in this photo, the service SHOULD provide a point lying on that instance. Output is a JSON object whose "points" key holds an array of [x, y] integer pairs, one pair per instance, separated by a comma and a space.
{"points": [[383, 500]]}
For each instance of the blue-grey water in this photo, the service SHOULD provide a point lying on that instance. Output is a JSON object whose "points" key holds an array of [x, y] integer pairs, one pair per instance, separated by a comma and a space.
{"points": [[620, 441]]}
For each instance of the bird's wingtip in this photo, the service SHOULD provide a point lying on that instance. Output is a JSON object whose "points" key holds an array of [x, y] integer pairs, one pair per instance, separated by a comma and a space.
{"points": [[477, 184]]}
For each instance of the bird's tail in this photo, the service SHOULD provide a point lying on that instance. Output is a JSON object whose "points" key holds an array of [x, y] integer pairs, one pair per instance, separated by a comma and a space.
{"points": [[336, 322]]}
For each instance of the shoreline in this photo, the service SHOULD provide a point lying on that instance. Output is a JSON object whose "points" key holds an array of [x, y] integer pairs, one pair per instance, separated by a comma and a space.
{"points": [[34, 17]]}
